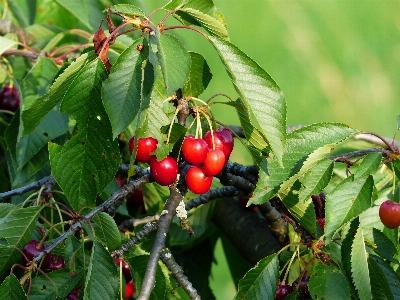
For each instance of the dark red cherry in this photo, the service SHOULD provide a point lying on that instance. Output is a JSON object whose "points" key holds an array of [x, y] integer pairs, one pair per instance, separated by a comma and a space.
{"points": [[164, 172], [126, 270], [32, 249], [120, 182], [194, 150], [321, 222], [197, 181], [135, 200], [74, 294], [302, 287], [283, 291], [55, 262], [214, 162], [9, 98]]}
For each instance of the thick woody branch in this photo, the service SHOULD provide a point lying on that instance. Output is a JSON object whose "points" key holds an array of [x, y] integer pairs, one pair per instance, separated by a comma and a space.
{"points": [[177, 273], [240, 183], [250, 173], [47, 181], [159, 242], [246, 230], [276, 223]]}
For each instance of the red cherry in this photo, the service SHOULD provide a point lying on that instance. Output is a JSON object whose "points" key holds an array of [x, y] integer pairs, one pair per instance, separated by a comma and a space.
{"points": [[74, 294], [135, 200], [129, 289], [197, 181], [9, 98], [214, 162], [126, 270], [389, 212], [120, 182], [302, 287], [144, 147], [131, 144], [223, 140], [164, 172], [32, 249], [194, 150], [321, 222], [55, 262], [283, 291]]}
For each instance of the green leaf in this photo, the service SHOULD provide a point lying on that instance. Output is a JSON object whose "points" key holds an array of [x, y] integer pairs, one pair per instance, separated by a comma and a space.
{"points": [[211, 24], [391, 276], [8, 257], [12, 289], [79, 9], [87, 163], [260, 281], [303, 212], [5, 208], [41, 106], [328, 283], [5, 44], [102, 278], [42, 288], [360, 267], [128, 9], [105, 231], [304, 148], [19, 224], [346, 201], [316, 179], [174, 61], [369, 164], [259, 93], [52, 126], [379, 283], [199, 76], [129, 82], [347, 242], [139, 264], [380, 243]]}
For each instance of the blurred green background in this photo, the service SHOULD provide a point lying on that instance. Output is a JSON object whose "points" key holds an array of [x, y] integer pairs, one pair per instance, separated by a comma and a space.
{"points": [[335, 61]]}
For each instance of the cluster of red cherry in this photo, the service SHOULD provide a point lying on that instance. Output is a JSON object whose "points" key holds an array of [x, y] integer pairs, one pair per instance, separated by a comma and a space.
{"points": [[206, 155], [126, 271], [301, 284], [50, 261]]}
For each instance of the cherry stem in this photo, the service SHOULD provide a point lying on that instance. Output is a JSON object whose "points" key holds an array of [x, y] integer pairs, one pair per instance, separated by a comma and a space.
{"points": [[383, 140], [186, 27], [216, 95], [172, 122], [112, 34], [291, 262], [62, 56], [169, 14]]}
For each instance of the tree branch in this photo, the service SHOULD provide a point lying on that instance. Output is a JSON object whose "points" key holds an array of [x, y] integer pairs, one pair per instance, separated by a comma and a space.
{"points": [[159, 242], [177, 273], [47, 181], [225, 191]]}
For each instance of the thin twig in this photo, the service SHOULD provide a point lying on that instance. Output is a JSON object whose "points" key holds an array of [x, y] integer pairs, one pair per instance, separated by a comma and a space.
{"points": [[45, 181]]}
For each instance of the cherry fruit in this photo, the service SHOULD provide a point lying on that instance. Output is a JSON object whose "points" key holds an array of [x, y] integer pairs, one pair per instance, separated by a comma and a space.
{"points": [[55, 262], [74, 294], [302, 287], [197, 180], [321, 222], [389, 212], [194, 150], [129, 289], [223, 140], [135, 200], [120, 182], [214, 162], [9, 98], [33, 249], [126, 270], [144, 147], [319, 204], [164, 172], [283, 291]]}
